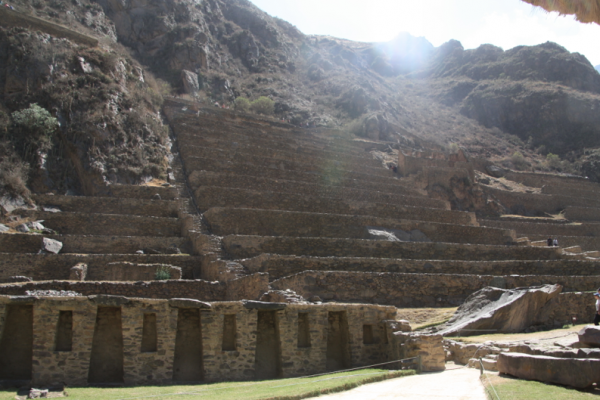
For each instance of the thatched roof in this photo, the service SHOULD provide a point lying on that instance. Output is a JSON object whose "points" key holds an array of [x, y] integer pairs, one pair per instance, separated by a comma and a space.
{"points": [[584, 10]]}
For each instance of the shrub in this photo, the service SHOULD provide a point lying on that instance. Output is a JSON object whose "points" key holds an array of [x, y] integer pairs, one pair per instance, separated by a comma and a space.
{"points": [[553, 161], [263, 105], [355, 127], [518, 160], [242, 104], [34, 129], [162, 273]]}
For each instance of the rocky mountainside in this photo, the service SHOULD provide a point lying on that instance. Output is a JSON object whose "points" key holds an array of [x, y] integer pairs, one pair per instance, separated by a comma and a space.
{"points": [[531, 100]]}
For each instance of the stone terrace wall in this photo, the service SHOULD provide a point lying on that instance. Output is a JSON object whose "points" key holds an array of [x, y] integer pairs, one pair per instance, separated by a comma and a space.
{"points": [[532, 203], [281, 266], [582, 214], [560, 310], [538, 179], [224, 221], [525, 228], [236, 361], [246, 246], [412, 290], [57, 266], [192, 289]]}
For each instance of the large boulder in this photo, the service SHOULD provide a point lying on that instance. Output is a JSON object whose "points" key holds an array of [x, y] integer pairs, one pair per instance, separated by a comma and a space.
{"points": [[576, 372], [501, 310], [590, 335]]}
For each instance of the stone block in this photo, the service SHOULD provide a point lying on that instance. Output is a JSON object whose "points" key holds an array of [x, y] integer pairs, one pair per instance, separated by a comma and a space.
{"points": [[576, 372], [51, 245], [78, 272]]}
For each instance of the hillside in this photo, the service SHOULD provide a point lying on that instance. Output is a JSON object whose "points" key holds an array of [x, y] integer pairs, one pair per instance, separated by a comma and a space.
{"points": [[531, 100]]}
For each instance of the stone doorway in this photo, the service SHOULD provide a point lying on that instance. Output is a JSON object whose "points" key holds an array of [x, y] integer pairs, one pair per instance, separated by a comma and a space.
{"points": [[16, 344], [338, 346], [268, 346], [187, 365], [106, 360]]}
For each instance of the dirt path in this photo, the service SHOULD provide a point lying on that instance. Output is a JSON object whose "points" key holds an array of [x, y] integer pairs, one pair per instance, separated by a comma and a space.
{"points": [[454, 383]]}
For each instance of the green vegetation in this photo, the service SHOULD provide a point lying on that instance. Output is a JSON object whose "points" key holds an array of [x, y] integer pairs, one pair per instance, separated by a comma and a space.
{"points": [[518, 160], [508, 388], [242, 104], [263, 105], [162, 273], [34, 127], [295, 388]]}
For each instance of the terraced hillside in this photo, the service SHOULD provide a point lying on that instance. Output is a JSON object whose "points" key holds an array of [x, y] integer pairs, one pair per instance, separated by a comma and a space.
{"points": [[324, 218]]}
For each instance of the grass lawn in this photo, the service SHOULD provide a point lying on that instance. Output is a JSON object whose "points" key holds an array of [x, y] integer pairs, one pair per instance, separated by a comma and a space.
{"points": [[509, 388], [288, 389]]}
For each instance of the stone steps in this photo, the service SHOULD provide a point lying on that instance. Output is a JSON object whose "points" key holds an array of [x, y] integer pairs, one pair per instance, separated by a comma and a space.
{"points": [[110, 205], [227, 221], [241, 246], [280, 266], [42, 267], [88, 244], [359, 191], [75, 223], [210, 196]]}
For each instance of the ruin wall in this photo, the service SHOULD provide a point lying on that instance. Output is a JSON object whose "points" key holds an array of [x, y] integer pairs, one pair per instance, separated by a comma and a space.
{"points": [[533, 203], [229, 336], [582, 213]]}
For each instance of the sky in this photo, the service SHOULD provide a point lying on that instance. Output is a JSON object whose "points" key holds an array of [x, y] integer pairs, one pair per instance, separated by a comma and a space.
{"points": [[504, 23]]}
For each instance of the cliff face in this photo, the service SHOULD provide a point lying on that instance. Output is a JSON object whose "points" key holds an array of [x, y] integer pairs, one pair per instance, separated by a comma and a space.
{"points": [[404, 90]]}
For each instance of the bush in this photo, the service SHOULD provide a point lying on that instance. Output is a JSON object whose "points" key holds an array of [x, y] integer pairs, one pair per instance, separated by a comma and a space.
{"points": [[242, 104], [518, 160], [162, 273], [553, 161], [355, 127], [34, 129], [263, 105]]}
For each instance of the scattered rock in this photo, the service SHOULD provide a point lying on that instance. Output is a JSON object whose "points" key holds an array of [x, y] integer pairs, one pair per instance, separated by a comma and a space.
{"points": [[52, 293], [156, 197], [282, 296], [495, 171], [23, 228], [19, 278], [4, 228], [51, 209], [139, 252], [37, 393], [51, 245]]}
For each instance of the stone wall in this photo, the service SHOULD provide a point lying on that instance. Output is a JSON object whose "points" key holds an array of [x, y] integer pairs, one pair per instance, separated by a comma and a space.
{"points": [[533, 203], [245, 246], [224, 221], [582, 213], [281, 266], [551, 229], [412, 290], [42, 267], [536, 179], [155, 365]]}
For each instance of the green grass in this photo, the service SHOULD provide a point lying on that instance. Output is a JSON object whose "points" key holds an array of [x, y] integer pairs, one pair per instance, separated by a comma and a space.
{"points": [[281, 389], [509, 388]]}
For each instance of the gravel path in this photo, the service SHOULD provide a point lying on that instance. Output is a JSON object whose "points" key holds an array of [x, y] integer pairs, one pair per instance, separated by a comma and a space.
{"points": [[456, 383]]}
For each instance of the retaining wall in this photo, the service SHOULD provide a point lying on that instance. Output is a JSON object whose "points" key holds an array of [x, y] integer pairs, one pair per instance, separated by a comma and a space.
{"points": [[412, 290], [547, 229]]}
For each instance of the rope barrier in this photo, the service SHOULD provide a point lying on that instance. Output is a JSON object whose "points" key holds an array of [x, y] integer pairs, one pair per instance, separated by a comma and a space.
{"points": [[257, 383], [488, 378]]}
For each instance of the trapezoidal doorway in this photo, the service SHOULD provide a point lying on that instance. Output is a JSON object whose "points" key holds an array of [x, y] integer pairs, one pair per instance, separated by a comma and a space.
{"points": [[106, 360], [338, 346], [187, 365], [16, 344], [267, 362]]}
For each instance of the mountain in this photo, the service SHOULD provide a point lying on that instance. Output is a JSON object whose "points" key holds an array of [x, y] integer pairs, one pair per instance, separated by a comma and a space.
{"points": [[107, 98]]}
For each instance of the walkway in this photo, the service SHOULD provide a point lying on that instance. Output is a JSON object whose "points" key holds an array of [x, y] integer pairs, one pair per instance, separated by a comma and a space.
{"points": [[455, 384]]}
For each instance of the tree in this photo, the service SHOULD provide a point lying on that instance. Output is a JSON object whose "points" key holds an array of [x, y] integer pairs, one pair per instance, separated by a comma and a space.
{"points": [[553, 161], [242, 104], [263, 105]]}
